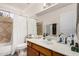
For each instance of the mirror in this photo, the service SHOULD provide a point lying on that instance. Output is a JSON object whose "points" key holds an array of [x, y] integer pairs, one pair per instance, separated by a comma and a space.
{"points": [[51, 29], [78, 29], [68, 23], [77, 25], [48, 29]]}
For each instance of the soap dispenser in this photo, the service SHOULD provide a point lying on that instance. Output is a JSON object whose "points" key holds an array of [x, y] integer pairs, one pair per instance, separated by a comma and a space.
{"points": [[76, 45], [72, 42], [72, 37], [44, 35], [60, 40], [66, 40]]}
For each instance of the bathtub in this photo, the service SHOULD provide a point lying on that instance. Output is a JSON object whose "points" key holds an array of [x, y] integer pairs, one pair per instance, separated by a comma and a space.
{"points": [[5, 49]]}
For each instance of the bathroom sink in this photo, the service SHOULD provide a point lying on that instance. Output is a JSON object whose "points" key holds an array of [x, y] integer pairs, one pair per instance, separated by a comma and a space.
{"points": [[46, 41]]}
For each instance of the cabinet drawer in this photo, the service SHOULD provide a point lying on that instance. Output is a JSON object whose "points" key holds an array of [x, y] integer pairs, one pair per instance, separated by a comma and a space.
{"points": [[42, 50]]}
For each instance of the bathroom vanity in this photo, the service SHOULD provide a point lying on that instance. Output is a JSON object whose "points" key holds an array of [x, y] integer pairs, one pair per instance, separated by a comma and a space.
{"points": [[36, 47], [37, 50]]}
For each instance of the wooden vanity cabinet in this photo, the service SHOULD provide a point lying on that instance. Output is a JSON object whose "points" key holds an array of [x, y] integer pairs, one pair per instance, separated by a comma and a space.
{"points": [[29, 43], [36, 50], [42, 50], [31, 52]]}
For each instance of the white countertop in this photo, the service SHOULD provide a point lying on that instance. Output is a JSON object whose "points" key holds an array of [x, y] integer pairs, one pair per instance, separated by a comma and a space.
{"points": [[55, 46]]}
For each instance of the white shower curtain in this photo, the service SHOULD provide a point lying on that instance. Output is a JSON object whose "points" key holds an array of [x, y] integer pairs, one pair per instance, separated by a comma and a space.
{"points": [[19, 30]]}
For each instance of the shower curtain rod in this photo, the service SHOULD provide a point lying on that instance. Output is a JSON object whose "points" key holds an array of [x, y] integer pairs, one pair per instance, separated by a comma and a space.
{"points": [[11, 12]]}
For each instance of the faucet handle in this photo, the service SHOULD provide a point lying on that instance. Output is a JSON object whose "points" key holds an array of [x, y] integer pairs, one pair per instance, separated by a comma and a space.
{"points": [[76, 44], [72, 42], [65, 40], [61, 34]]}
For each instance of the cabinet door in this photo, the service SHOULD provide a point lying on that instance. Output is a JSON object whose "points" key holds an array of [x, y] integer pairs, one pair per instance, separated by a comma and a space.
{"points": [[32, 52], [42, 50]]}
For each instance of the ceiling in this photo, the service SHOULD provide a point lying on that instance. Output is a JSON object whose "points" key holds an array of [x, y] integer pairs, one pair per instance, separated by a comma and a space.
{"points": [[21, 6], [27, 8]]}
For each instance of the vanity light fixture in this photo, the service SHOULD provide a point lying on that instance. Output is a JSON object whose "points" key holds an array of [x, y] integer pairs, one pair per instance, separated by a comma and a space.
{"points": [[45, 5]]}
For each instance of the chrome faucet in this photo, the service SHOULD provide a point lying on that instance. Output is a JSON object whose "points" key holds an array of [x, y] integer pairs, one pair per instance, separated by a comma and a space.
{"points": [[61, 34], [63, 39], [60, 40]]}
